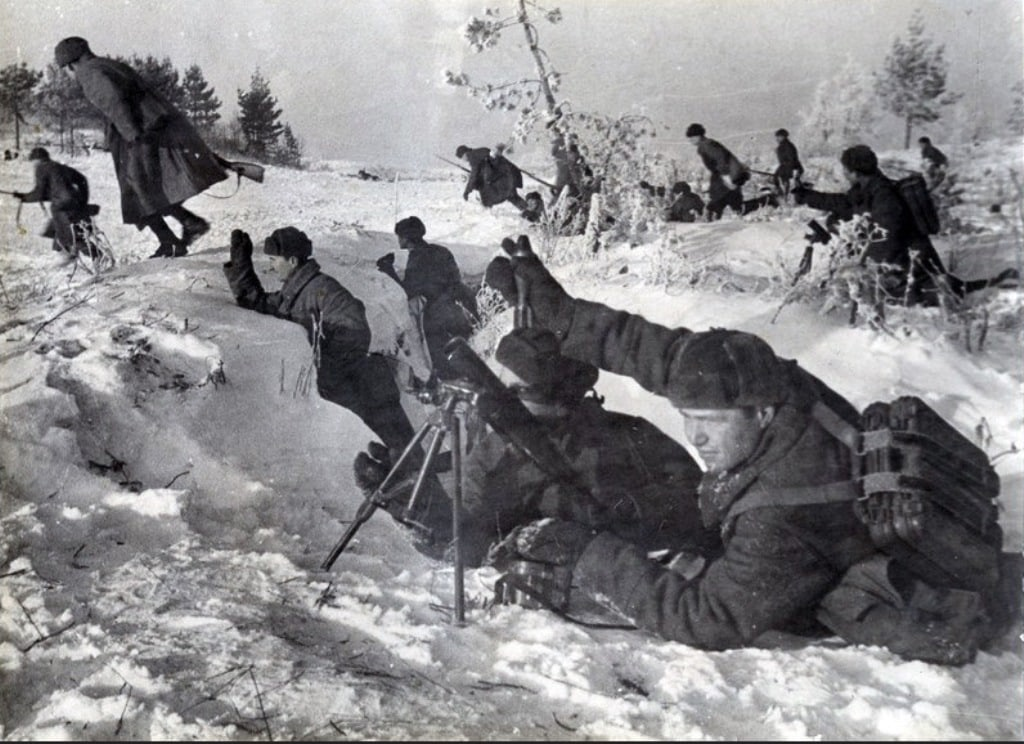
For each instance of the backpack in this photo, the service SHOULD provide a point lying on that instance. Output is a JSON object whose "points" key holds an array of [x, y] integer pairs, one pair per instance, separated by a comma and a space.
{"points": [[501, 179], [926, 493], [914, 191]]}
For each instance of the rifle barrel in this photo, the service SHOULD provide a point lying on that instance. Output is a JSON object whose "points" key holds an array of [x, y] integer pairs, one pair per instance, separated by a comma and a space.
{"points": [[452, 162]]}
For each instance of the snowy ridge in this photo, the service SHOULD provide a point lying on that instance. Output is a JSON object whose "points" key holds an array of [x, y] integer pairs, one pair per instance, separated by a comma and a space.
{"points": [[163, 525]]}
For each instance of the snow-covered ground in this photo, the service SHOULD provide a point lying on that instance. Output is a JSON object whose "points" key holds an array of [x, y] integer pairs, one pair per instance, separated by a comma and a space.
{"points": [[162, 529]]}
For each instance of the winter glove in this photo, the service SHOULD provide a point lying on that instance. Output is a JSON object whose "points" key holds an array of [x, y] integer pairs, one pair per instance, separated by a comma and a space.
{"points": [[500, 277], [552, 307], [371, 467], [20, 196], [386, 263], [241, 248], [553, 541]]}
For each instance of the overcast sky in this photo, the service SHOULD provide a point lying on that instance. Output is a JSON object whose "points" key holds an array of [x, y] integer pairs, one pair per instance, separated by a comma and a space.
{"points": [[362, 79]]}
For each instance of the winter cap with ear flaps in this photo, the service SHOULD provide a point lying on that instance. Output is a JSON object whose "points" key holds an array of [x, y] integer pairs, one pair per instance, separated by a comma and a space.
{"points": [[695, 130], [289, 242], [39, 153], [860, 159], [69, 50], [410, 227], [726, 369], [534, 355]]}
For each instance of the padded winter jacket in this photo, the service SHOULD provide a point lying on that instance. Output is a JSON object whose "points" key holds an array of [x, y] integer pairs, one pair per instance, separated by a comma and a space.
{"points": [[159, 158], [335, 323], [315, 301], [65, 188], [645, 480], [450, 310], [779, 558], [721, 162], [789, 161], [879, 198]]}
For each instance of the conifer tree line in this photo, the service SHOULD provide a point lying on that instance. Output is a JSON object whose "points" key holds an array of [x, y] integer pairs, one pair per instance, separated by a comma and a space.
{"points": [[51, 100]]}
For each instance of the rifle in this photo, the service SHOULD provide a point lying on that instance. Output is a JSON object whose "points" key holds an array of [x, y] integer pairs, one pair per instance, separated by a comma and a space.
{"points": [[524, 172], [452, 162], [252, 171]]}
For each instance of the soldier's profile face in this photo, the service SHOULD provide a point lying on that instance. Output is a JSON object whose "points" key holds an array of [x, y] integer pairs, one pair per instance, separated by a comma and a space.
{"points": [[723, 437], [280, 265]]}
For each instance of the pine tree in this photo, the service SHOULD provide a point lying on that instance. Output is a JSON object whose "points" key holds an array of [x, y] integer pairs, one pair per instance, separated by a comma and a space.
{"points": [[912, 83], [199, 102], [62, 105], [288, 150], [16, 84], [258, 115], [842, 112]]}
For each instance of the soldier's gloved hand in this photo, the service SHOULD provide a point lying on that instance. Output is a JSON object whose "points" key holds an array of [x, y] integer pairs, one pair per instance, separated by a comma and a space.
{"points": [[241, 247], [370, 468], [553, 541], [500, 277], [386, 263], [552, 306]]}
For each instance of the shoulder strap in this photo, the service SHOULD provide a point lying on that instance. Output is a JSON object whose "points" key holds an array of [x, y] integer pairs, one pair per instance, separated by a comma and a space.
{"points": [[826, 493], [835, 425]]}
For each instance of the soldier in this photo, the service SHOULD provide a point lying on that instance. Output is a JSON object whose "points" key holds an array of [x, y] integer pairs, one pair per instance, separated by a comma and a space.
{"points": [[494, 177], [875, 195], [348, 375], [67, 190], [789, 162], [434, 286], [728, 174], [686, 206], [159, 158], [934, 161], [777, 485]]}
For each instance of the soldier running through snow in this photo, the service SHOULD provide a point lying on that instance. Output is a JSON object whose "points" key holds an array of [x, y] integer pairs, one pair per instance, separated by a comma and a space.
{"points": [[67, 190], [494, 177], [159, 158], [728, 174]]}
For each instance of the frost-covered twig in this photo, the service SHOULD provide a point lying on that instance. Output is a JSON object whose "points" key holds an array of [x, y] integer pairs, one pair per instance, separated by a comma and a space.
{"points": [[68, 309]]}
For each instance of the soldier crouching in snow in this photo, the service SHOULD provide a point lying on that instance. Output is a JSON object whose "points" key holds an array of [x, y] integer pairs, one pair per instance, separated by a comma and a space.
{"points": [[796, 557], [67, 190], [335, 321], [442, 304]]}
